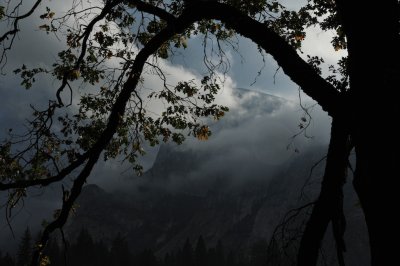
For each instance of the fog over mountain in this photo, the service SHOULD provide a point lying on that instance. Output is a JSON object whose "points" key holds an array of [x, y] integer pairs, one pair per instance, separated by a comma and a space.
{"points": [[256, 134], [225, 182], [236, 187]]}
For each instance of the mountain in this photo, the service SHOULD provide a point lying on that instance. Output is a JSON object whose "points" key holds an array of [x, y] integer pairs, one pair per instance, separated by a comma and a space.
{"points": [[153, 218], [236, 187]]}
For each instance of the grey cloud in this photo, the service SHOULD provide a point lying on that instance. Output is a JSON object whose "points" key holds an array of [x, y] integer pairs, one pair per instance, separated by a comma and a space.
{"points": [[249, 145]]}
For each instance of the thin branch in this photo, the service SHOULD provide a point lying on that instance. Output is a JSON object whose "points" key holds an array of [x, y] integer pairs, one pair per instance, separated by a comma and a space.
{"points": [[292, 64], [17, 19], [46, 181], [12, 32], [154, 10]]}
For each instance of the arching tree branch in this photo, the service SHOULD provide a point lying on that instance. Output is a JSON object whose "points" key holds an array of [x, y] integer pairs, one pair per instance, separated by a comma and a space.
{"points": [[292, 64], [46, 181], [148, 8]]}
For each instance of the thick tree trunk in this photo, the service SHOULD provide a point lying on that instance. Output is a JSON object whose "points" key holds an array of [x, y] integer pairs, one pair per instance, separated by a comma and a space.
{"points": [[372, 30], [376, 179], [374, 69], [329, 206]]}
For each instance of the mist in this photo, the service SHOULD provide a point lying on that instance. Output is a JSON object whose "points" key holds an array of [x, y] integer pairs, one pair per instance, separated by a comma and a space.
{"points": [[249, 145]]}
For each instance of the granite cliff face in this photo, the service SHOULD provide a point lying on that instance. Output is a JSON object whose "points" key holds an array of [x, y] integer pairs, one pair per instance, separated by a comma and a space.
{"points": [[230, 188]]}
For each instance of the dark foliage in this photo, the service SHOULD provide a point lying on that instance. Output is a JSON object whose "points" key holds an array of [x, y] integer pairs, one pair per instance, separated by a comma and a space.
{"points": [[87, 252]]}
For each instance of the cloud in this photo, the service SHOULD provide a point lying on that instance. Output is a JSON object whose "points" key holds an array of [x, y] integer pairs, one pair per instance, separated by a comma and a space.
{"points": [[248, 146]]}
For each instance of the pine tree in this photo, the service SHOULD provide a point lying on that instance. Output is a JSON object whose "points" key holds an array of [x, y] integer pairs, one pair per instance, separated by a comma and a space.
{"points": [[120, 254], [220, 258], [169, 260], [230, 259], [146, 258], [25, 249], [200, 252], [83, 251], [186, 257], [259, 253], [102, 254], [212, 257]]}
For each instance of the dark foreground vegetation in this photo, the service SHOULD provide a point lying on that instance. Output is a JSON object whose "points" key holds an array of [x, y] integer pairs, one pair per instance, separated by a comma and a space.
{"points": [[85, 251]]}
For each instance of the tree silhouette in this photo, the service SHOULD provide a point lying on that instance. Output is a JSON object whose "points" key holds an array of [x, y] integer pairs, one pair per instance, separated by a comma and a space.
{"points": [[230, 259], [220, 256], [119, 253], [63, 143], [200, 253], [169, 260], [186, 255], [102, 255], [215, 255], [259, 253], [6, 260], [83, 251], [146, 258]]}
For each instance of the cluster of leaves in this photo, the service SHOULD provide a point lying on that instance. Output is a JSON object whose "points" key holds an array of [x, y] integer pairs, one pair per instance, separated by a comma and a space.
{"points": [[340, 76], [9, 167], [48, 15], [255, 7], [330, 20], [2, 13], [28, 76], [39, 159], [292, 24], [185, 104]]}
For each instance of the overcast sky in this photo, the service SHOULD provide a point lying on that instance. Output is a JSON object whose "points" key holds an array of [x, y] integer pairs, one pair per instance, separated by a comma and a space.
{"points": [[258, 132]]}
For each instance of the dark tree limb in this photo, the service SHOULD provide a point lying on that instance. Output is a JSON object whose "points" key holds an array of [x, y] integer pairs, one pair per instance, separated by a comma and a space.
{"points": [[329, 206], [46, 181], [148, 8], [287, 58]]}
